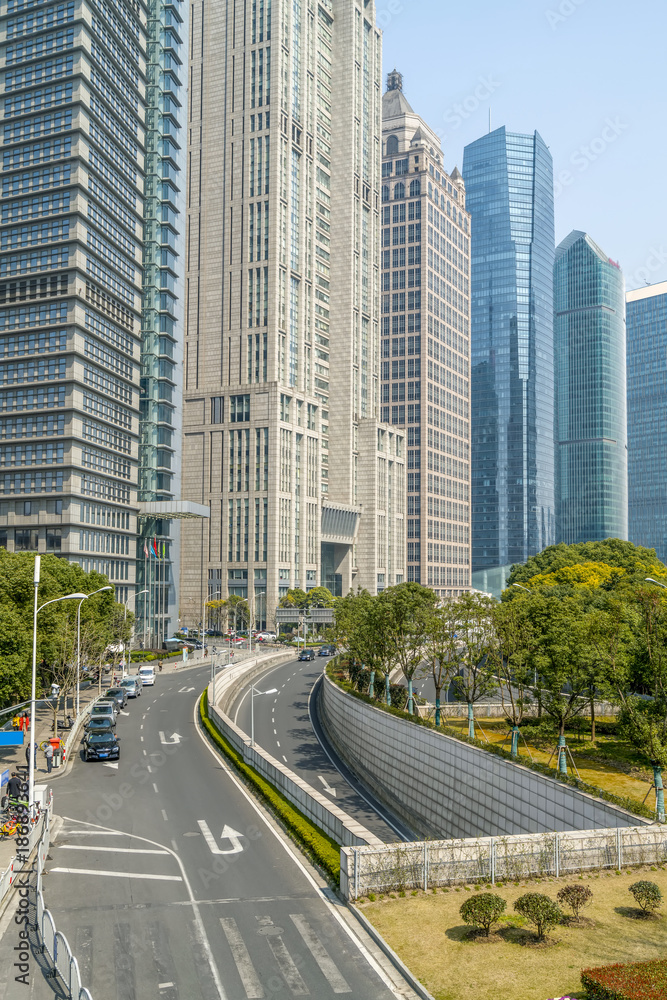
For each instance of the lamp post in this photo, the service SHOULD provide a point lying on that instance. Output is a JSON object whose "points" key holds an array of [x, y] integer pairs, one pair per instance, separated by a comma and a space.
{"points": [[657, 769], [36, 610], [78, 642], [125, 603], [253, 693]]}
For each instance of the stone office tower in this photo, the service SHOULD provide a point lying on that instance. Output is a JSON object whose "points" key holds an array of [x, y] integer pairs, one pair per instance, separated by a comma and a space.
{"points": [[425, 338], [281, 405]]}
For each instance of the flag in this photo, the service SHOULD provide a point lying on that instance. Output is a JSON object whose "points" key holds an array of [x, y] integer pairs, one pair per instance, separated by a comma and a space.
{"points": [[145, 549], [163, 550], [154, 548]]}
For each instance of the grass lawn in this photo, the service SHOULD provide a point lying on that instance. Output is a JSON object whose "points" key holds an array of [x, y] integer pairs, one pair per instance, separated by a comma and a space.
{"points": [[603, 774], [428, 934]]}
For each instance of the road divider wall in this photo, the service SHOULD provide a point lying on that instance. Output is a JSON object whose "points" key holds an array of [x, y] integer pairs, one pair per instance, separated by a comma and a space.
{"points": [[443, 787], [337, 824]]}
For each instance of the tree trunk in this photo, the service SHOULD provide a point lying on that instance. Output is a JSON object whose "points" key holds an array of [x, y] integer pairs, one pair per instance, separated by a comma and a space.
{"points": [[438, 689], [387, 689], [515, 741], [593, 717], [562, 752], [411, 701], [371, 685], [659, 793], [471, 722]]}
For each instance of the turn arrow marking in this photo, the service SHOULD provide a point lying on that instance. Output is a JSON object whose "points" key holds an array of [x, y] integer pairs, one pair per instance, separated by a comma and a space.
{"points": [[114, 765], [185, 690], [175, 738], [227, 834], [327, 787]]}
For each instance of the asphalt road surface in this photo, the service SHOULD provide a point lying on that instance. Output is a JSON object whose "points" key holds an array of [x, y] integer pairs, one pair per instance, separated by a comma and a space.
{"points": [[169, 882], [286, 725]]}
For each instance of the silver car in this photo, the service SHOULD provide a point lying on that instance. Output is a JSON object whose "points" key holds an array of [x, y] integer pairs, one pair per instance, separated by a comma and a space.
{"points": [[104, 710], [132, 685]]}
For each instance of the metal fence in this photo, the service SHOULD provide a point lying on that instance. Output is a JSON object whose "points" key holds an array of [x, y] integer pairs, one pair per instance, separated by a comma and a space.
{"points": [[395, 867], [54, 944], [15, 865]]}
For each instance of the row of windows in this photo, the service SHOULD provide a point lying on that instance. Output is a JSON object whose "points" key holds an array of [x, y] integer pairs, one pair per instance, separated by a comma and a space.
{"points": [[397, 301], [118, 235], [35, 180], [45, 453], [399, 189], [40, 370], [106, 409], [129, 66], [120, 162], [32, 482], [31, 48], [112, 178], [19, 316], [109, 331], [33, 288], [108, 358], [101, 541], [27, 208], [38, 260], [397, 257], [105, 489], [28, 128], [32, 399], [398, 414], [40, 18], [27, 539], [35, 73], [397, 279], [90, 513], [441, 486], [104, 249], [398, 392], [38, 100], [114, 569], [239, 409], [398, 344], [397, 234], [398, 369], [108, 463], [447, 553], [397, 213], [39, 425]]}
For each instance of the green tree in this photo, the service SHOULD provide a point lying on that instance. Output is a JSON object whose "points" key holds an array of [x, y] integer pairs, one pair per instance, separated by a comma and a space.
{"points": [[405, 612], [540, 910], [475, 644], [647, 895], [361, 629], [482, 910], [634, 561], [320, 597], [511, 658], [440, 650], [575, 896]]}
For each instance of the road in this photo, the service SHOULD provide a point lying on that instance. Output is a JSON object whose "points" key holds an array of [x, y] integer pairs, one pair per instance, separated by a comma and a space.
{"points": [[286, 725], [170, 882]]}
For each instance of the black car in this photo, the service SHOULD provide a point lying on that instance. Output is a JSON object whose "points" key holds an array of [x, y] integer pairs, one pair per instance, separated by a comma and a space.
{"points": [[327, 651], [120, 695], [307, 654], [102, 725], [101, 746]]}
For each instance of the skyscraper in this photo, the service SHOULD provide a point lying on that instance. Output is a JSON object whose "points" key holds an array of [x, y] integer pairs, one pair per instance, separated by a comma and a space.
{"points": [[647, 416], [425, 345], [281, 406], [589, 351], [71, 280], [509, 194]]}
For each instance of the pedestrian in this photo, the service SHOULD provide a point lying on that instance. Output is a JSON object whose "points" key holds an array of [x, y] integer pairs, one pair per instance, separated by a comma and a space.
{"points": [[16, 721], [48, 753], [27, 754], [159, 666], [14, 786]]}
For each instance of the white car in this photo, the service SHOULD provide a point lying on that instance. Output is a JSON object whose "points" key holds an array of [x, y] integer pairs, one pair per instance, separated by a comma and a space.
{"points": [[146, 676]]}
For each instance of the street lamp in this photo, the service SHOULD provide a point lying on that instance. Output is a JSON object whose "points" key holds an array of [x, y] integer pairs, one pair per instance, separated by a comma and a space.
{"points": [[132, 598], [66, 597], [78, 641], [649, 579], [253, 692], [521, 587]]}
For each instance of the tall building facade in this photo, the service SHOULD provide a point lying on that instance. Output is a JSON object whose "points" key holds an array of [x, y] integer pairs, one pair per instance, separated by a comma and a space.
{"points": [[591, 426], [425, 340], [74, 88], [509, 193], [646, 317], [282, 437]]}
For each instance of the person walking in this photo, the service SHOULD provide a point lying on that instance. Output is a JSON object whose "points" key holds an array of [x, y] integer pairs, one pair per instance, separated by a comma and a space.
{"points": [[48, 753], [14, 787], [27, 754], [159, 666]]}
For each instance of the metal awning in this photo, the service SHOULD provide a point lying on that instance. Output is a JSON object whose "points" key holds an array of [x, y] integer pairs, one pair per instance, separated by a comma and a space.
{"points": [[173, 510]]}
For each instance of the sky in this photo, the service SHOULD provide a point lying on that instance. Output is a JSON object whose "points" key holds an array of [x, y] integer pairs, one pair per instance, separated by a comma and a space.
{"points": [[589, 75]]}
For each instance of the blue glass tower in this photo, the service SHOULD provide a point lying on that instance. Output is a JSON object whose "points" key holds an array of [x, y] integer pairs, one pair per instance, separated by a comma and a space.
{"points": [[509, 185], [646, 310], [589, 348]]}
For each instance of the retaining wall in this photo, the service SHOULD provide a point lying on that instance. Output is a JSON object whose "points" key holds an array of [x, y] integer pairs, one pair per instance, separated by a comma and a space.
{"points": [[443, 787]]}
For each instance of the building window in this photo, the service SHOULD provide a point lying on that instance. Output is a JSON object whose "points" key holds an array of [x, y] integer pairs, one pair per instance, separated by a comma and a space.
{"points": [[217, 409], [239, 409], [53, 539]]}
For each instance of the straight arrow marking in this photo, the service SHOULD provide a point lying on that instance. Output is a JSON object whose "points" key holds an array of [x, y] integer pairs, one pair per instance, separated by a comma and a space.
{"points": [[327, 787]]}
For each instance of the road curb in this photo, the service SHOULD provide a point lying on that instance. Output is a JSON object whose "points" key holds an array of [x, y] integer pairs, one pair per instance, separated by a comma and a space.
{"points": [[400, 966]]}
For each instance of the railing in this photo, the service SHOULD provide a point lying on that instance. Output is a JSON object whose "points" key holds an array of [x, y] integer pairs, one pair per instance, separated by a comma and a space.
{"points": [[54, 944], [494, 859], [15, 866]]}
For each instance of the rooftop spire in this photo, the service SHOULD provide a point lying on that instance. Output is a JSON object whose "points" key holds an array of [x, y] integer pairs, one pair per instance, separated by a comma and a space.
{"points": [[394, 80]]}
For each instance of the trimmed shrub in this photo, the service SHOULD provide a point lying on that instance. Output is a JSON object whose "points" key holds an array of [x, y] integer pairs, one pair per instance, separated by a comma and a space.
{"points": [[639, 981], [321, 847], [483, 910], [647, 895], [540, 910], [574, 896]]}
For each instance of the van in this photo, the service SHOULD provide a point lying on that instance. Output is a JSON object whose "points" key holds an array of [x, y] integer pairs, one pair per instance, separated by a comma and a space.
{"points": [[147, 675]]}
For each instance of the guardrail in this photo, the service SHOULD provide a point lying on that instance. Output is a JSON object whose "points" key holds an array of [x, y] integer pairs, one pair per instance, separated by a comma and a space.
{"points": [[493, 859], [15, 866], [54, 944]]}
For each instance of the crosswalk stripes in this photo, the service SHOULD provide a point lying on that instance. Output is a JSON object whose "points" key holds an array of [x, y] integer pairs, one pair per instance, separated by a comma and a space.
{"points": [[285, 962], [244, 967], [328, 967]]}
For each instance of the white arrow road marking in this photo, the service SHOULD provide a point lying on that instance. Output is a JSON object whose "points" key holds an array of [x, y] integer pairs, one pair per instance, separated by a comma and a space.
{"points": [[185, 690], [114, 765], [174, 738], [327, 787], [227, 834], [124, 713]]}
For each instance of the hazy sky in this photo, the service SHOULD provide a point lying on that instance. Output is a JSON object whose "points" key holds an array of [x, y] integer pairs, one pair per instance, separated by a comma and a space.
{"points": [[589, 75]]}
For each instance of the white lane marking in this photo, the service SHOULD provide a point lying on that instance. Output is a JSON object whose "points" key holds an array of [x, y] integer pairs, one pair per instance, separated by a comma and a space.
{"points": [[148, 709], [327, 966], [174, 738], [162, 694], [246, 970], [164, 816], [227, 834], [284, 758], [164, 986], [141, 738], [154, 787], [124, 713], [274, 732], [141, 726], [174, 845], [185, 690], [328, 902], [277, 743], [143, 716], [96, 871], [327, 786], [144, 753], [113, 850], [113, 764], [149, 768], [286, 963]]}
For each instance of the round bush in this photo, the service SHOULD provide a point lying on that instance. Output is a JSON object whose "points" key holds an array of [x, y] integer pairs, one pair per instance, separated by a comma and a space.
{"points": [[540, 910], [483, 910], [574, 896], [647, 895]]}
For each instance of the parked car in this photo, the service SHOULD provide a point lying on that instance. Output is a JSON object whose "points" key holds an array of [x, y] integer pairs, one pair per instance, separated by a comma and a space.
{"points": [[101, 724], [147, 676], [307, 654], [101, 746], [132, 685], [327, 650], [103, 711], [120, 695], [109, 701]]}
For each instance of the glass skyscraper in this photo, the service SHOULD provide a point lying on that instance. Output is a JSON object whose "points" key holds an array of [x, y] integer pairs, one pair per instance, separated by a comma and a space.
{"points": [[589, 349], [647, 416], [509, 194]]}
